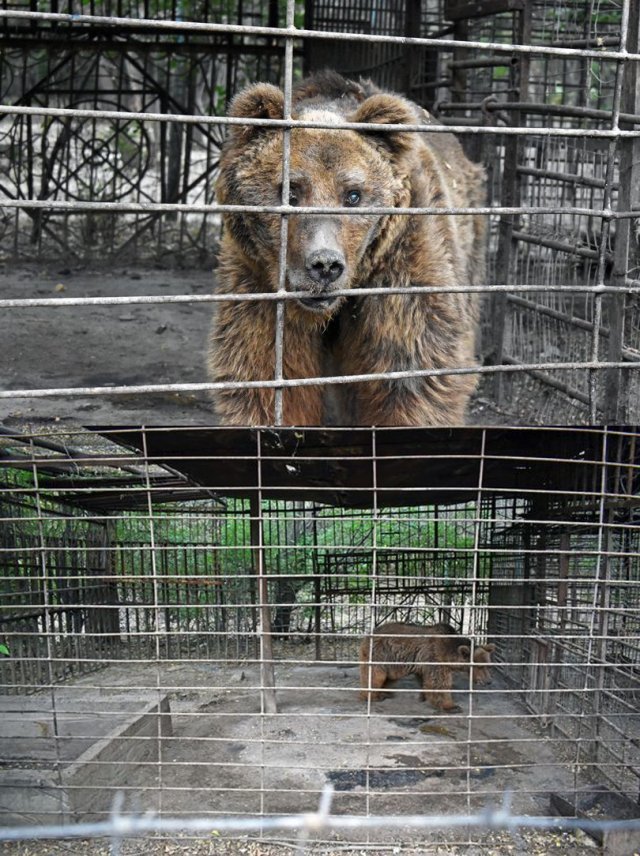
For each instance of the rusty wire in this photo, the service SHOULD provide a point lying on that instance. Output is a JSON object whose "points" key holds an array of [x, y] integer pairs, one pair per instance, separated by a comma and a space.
{"points": [[593, 327], [500, 527]]}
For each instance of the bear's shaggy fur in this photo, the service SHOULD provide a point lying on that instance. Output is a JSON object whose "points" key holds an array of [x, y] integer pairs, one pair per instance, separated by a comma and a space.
{"points": [[327, 334], [431, 653]]}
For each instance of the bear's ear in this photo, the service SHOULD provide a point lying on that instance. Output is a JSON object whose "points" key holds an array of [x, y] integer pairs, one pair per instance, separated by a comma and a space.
{"points": [[383, 109], [489, 647], [261, 101], [464, 651]]}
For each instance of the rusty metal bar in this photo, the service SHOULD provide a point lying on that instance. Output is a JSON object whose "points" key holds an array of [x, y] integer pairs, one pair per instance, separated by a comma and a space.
{"points": [[515, 130], [113, 22], [312, 381], [616, 396]]}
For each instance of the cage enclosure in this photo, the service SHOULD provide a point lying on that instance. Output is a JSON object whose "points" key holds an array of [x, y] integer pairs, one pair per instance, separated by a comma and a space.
{"points": [[183, 609], [111, 122]]}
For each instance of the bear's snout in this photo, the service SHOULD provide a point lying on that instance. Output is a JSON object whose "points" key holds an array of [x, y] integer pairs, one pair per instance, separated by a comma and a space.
{"points": [[325, 267]]}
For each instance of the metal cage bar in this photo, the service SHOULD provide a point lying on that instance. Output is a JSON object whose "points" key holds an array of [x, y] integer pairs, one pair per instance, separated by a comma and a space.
{"points": [[544, 142], [144, 641]]}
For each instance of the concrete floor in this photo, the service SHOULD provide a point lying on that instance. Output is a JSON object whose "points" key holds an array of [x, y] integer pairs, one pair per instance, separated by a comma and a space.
{"points": [[401, 757]]}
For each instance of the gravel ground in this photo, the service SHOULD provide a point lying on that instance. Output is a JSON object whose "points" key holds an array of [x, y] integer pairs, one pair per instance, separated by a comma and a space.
{"points": [[526, 843]]}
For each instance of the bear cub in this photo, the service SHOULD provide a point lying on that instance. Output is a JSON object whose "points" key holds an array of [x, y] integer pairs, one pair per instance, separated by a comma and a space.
{"points": [[431, 653]]}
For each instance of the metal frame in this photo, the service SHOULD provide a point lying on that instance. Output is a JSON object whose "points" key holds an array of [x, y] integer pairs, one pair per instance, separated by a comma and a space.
{"points": [[530, 540], [596, 377]]}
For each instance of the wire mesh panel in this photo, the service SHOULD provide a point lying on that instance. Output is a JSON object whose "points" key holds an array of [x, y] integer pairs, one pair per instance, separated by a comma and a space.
{"points": [[113, 121], [196, 619], [77, 158]]}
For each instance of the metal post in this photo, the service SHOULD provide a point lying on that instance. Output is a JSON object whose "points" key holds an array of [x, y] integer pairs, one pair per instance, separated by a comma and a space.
{"points": [[616, 382], [267, 679], [317, 589], [411, 54], [510, 198]]}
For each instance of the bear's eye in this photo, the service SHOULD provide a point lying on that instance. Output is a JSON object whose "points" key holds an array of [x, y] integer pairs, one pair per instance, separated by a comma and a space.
{"points": [[353, 198], [293, 195]]}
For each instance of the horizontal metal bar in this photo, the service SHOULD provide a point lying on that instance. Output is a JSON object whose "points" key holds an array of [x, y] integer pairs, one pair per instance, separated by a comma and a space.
{"points": [[311, 381], [571, 320], [59, 39], [493, 105], [300, 211], [561, 246], [568, 177], [543, 109], [568, 390], [596, 41], [483, 62], [19, 110], [221, 514], [324, 35], [272, 296]]}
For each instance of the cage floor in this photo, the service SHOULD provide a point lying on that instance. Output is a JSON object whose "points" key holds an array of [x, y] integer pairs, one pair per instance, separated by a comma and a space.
{"points": [[64, 755], [225, 758], [112, 345], [106, 345]]}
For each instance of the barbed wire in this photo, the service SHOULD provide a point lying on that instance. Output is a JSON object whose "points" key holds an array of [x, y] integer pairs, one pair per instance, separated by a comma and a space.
{"points": [[120, 826]]}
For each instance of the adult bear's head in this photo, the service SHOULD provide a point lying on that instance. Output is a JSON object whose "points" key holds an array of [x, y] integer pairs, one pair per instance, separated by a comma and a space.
{"points": [[330, 167]]}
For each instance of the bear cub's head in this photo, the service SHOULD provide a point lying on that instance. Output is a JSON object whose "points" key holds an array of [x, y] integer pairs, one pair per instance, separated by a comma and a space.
{"points": [[329, 168], [481, 674]]}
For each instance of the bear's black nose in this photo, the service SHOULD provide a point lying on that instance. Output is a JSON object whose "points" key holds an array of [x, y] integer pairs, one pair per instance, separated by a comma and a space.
{"points": [[325, 267]]}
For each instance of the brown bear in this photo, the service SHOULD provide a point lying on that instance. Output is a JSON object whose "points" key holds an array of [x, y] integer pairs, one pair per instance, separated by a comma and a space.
{"points": [[325, 333], [431, 653]]}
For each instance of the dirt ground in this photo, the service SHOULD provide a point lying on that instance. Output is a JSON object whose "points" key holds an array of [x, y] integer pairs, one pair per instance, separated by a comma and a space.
{"points": [[114, 345], [226, 758], [104, 345]]}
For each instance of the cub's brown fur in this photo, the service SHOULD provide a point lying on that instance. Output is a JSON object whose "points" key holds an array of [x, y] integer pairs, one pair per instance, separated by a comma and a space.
{"points": [[431, 653], [324, 333]]}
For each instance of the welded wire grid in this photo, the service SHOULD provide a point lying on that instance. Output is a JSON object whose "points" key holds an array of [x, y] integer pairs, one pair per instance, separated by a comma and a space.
{"points": [[181, 618], [111, 150]]}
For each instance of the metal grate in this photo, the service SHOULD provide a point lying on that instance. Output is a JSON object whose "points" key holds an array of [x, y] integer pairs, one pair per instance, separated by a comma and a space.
{"points": [[111, 123], [200, 655]]}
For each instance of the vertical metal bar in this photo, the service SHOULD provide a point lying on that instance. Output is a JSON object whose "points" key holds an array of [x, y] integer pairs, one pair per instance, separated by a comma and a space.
{"points": [[156, 611], [413, 11], [600, 580], [534, 595], [603, 633], [48, 629], [267, 680], [616, 382], [510, 197], [309, 24], [374, 595], [284, 220], [606, 223], [474, 595], [557, 655], [317, 587]]}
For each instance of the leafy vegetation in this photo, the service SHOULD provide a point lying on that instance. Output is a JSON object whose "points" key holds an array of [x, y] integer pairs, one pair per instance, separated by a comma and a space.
{"points": [[193, 555]]}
